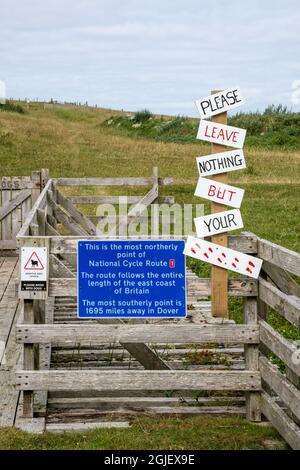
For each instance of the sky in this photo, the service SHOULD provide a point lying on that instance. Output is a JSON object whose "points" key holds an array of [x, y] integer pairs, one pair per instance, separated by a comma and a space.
{"points": [[161, 55]]}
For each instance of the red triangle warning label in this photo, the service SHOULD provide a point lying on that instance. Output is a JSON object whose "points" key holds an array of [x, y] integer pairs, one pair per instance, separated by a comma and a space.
{"points": [[34, 263]]}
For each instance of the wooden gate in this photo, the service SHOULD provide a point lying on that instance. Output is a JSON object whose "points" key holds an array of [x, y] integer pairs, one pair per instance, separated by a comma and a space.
{"points": [[17, 194]]}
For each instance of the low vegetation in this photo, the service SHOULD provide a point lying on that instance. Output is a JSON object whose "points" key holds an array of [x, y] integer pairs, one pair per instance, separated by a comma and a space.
{"points": [[82, 141], [275, 127], [205, 432]]}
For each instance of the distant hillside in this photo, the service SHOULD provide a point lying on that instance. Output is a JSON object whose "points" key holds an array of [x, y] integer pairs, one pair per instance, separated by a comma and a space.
{"points": [[275, 127]]}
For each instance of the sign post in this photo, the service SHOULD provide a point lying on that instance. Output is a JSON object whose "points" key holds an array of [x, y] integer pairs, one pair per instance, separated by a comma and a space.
{"points": [[219, 276]]}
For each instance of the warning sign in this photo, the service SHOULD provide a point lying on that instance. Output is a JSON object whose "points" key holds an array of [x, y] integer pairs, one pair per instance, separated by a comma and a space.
{"points": [[34, 269]]}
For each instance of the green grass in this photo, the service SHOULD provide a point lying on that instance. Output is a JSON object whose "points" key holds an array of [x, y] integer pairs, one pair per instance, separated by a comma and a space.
{"points": [[79, 141], [197, 433], [276, 127]]}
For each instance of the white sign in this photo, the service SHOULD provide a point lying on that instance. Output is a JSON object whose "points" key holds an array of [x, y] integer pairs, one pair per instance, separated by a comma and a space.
{"points": [[219, 192], [223, 257], [217, 223], [221, 162], [221, 134], [220, 102], [34, 269]]}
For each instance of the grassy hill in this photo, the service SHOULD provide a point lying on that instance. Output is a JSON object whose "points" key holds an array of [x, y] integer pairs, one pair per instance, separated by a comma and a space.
{"points": [[84, 141]]}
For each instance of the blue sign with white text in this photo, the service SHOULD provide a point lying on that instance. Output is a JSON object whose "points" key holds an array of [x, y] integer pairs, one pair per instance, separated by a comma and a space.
{"points": [[131, 279]]}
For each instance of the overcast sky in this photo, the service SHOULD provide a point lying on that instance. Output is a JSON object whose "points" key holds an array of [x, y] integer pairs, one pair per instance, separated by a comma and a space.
{"points": [[162, 54]]}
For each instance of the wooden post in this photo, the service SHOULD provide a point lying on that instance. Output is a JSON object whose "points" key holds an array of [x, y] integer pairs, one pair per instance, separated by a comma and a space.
{"points": [[28, 359], [219, 276], [154, 206], [253, 411]]}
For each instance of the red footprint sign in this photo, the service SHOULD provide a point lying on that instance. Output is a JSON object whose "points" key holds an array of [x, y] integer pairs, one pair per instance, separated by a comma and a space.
{"points": [[222, 257]]}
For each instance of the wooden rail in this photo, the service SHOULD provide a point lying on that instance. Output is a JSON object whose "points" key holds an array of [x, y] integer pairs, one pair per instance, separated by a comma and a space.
{"points": [[62, 334], [277, 290], [137, 380]]}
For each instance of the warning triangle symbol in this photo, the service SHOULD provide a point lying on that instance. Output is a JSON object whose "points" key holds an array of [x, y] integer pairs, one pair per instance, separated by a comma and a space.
{"points": [[34, 263]]}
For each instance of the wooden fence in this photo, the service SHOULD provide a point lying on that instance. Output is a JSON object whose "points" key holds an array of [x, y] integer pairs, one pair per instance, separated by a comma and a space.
{"points": [[280, 399], [269, 390], [17, 194]]}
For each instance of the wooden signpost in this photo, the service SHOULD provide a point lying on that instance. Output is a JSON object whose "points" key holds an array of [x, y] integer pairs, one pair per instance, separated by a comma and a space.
{"points": [[222, 195]]}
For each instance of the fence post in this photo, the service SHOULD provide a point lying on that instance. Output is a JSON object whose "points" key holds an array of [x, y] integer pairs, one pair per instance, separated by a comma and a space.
{"points": [[219, 276], [28, 359], [155, 207], [253, 408]]}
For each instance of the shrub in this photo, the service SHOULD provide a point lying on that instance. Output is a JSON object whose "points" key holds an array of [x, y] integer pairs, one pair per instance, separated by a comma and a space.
{"points": [[12, 107], [143, 115]]}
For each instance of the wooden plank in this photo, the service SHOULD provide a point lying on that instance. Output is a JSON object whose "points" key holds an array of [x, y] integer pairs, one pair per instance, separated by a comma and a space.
{"points": [[137, 380], [287, 392], [224, 333], [8, 308], [50, 231], [6, 271], [58, 269], [16, 219], [219, 276], [115, 199], [81, 219], [8, 244], [251, 360], [111, 181], [68, 222], [28, 360], [278, 418], [6, 196], [41, 397], [9, 396], [18, 183], [146, 356], [12, 204], [279, 345], [85, 426], [31, 216], [282, 280], [280, 256], [287, 305], [196, 288]]}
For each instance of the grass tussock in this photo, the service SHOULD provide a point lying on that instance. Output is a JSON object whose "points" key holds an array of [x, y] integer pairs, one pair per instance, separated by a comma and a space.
{"points": [[203, 433]]}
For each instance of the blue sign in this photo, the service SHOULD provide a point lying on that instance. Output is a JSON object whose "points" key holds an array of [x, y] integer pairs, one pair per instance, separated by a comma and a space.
{"points": [[131, 279]]}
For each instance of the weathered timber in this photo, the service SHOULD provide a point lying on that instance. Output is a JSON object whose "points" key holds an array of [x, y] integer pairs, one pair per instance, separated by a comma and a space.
{"points": [[183, 333], [251, 360], [282, 280], [286, 391], [11, 205], [279, 419], [279, 345], [112, 181], [75, 213], [31, 216], [280, 256], [137, 380], [287, 305]]}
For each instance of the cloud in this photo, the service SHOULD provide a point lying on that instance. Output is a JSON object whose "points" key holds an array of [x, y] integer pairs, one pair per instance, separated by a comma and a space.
{"points": [[162, 55]]}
